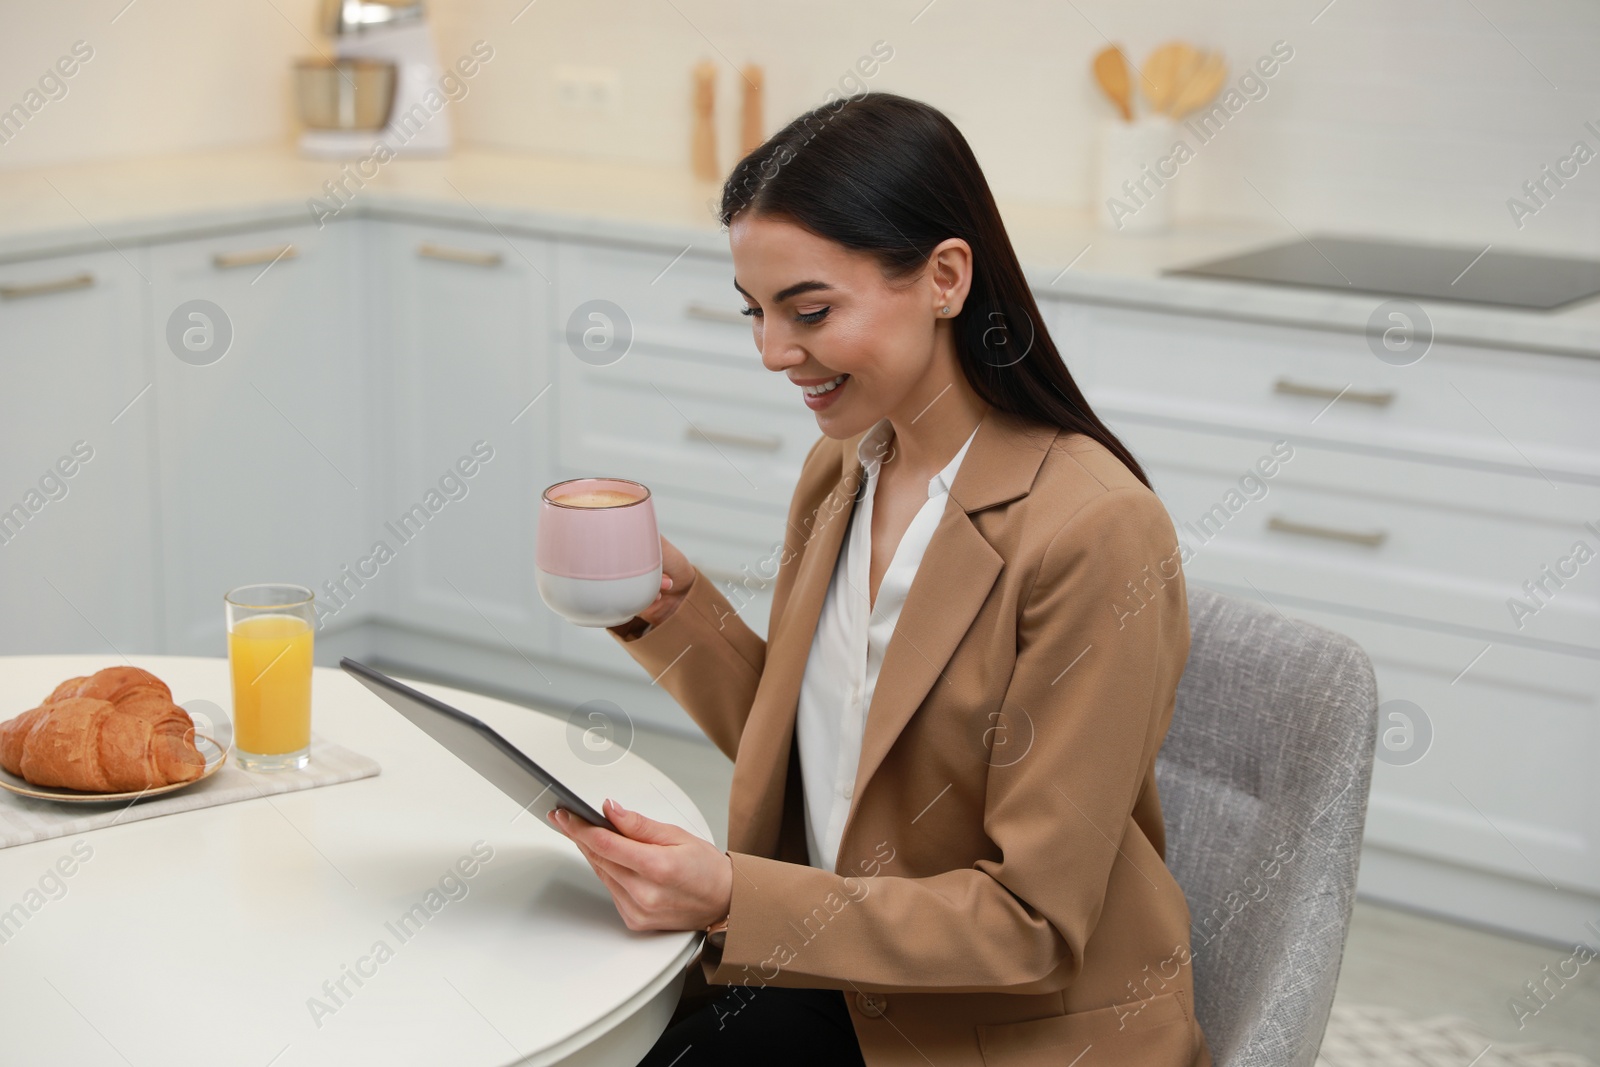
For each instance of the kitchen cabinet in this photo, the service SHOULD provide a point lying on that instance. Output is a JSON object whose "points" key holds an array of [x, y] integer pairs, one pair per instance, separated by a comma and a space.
{"points": [[1505, 784], [461, 326], [687, 403], [77, 486], [1409, 508], [1495, 823], [263, 393], [677, 398], [680, 300]]}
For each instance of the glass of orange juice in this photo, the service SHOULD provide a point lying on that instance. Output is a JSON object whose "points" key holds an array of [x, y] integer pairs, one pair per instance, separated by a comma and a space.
{"points": [[269, 653]]}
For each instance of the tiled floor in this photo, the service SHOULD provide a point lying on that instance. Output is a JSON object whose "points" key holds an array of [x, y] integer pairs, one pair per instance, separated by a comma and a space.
{"points": [[1420, 965]]}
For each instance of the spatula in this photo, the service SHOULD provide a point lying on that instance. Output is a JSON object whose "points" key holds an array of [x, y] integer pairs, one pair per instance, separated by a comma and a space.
{"points": [[1168, 69], [1111, 71], [1208, 78]]}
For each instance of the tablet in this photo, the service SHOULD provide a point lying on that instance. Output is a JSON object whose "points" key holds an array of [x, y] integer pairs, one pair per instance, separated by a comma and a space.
{"points": [[476, 744]]}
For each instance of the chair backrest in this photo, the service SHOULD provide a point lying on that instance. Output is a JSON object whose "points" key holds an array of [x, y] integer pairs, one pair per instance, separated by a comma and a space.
{"points": [[1263, 778]]}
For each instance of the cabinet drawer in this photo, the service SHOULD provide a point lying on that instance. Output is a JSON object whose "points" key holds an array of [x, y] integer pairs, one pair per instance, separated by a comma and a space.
{"points": [[1525, 413], [731, 433], [1453, 567], [1455, 546], [688, 303], [1314, 462]]}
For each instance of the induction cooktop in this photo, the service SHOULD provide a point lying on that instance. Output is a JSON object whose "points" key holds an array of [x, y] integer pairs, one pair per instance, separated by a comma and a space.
{"points": [[1430, 272]]}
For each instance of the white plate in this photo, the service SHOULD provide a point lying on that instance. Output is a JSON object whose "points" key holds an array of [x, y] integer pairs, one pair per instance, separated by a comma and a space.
{"points": [[215, 758]]}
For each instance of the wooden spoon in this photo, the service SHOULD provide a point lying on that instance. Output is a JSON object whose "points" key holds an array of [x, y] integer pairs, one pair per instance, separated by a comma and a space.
{"points": [[1208, 79], [1166, 72], [1111, 71], [703, 132]]}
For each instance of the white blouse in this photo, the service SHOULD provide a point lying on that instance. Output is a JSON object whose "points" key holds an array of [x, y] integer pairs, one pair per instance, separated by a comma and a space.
{"points": [[848, 646]]}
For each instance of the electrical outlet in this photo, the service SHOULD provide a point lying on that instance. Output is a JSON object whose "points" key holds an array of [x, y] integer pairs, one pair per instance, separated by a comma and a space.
{"points": [[592, 91]]}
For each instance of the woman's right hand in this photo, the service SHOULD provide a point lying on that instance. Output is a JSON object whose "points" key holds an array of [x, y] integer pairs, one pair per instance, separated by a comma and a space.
{"points": [[676, 574]]}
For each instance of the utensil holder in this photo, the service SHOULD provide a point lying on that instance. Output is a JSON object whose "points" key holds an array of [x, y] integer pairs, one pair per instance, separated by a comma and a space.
{"points": [[1132, 194]]}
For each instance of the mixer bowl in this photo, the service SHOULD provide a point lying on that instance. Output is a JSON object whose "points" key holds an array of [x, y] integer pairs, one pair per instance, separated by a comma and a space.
{"points": [[344, 94]]}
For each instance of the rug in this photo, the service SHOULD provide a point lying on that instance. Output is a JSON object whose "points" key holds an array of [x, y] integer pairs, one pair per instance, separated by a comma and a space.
{"points": [[1363, 1035]]}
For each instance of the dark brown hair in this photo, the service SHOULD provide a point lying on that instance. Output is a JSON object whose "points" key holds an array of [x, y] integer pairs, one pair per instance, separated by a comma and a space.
{"points": [[893, 177]]}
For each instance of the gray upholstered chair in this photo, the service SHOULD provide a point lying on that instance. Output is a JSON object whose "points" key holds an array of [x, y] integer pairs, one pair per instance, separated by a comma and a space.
{"points": [[1263, 778]]}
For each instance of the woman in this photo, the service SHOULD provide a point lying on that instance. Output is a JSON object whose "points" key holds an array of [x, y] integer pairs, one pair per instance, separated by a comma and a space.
{"points": [[971, 874]]}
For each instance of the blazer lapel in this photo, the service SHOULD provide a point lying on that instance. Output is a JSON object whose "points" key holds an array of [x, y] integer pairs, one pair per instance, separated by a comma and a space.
{"points": [[756, 807], [956, 574], [952, 582]]}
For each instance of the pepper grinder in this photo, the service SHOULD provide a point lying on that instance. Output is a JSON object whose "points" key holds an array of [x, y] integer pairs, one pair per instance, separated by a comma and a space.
{"points": [[703, 146]]}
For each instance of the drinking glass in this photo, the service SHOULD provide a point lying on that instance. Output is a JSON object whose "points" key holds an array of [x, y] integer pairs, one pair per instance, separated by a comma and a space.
{"points": [[269, 656]]}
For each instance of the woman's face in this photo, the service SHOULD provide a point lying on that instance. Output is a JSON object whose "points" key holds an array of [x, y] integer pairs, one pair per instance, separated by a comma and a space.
{"points": [[819, 310]]}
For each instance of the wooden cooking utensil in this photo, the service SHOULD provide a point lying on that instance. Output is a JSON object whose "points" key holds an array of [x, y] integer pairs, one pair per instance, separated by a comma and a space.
{"points": [[1208, 79], [1168, 69], [1111, 71], [703, 134], [750, 117]]}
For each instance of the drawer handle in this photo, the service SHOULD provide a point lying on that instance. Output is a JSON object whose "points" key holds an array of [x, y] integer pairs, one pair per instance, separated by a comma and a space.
{"points": [[1373, 538], [1377, 398], [697, 310], [459, 255], [59, 285], [229, 260], [759, 442]]}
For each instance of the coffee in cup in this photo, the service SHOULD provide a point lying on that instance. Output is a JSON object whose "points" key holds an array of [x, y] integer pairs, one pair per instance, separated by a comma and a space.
{"points": [[596, 498], [597, 557]]}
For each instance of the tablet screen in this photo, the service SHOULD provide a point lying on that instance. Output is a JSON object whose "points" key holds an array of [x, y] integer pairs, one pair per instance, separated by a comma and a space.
{"points": [[479, 746]]}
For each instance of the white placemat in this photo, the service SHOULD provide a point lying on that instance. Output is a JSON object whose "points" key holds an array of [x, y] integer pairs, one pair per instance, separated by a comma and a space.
{"points": [[24, 819]]}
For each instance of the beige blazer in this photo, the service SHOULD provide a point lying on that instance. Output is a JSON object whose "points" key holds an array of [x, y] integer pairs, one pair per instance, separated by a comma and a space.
{"points": [[1000, 896]]}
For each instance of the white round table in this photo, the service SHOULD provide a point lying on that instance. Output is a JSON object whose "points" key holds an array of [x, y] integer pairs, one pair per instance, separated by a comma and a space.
{"points": [[203, 937]]}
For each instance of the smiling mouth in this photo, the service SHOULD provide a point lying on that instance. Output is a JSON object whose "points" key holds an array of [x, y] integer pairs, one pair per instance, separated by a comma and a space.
{"points": [[825, 387]]}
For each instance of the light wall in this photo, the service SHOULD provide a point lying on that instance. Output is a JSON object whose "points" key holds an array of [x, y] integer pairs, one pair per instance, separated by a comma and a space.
{"points": [[1413, 118]]}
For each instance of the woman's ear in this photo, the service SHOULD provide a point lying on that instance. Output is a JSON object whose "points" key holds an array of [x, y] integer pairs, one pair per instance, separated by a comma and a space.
{"points": [[950, 271]]}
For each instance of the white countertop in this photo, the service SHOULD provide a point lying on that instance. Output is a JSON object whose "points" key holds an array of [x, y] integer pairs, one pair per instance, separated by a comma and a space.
{"points": [[202, 937], [92, 205]]}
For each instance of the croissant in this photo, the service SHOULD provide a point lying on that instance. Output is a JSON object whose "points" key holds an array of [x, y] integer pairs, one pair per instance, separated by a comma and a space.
{"points": [[112, 683], [114, 731]]}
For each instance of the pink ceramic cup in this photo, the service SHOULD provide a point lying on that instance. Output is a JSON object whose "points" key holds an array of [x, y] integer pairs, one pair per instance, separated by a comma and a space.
{"points": [[598, 566]]}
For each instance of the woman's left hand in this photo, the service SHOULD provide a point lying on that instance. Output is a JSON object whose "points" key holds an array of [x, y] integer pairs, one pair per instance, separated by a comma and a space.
{"points": [[661, 877]]}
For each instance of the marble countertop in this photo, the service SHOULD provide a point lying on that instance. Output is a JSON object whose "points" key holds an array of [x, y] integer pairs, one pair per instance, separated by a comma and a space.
{"points": [[1064, 251]]}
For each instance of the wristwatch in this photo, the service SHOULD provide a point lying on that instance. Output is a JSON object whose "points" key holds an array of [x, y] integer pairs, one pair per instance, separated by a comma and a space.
{"points": [[717, 932], [633, 629]]}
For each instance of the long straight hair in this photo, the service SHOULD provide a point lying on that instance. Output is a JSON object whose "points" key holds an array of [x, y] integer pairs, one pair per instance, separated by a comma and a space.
{"points": [[893, 177]]}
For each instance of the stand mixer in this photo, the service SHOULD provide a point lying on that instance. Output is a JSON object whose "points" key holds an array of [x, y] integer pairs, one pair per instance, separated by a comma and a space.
{"points": [[342, 103]]}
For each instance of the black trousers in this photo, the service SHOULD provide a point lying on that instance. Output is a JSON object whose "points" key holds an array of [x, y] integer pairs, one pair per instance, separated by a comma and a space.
{"points": [[765, 1025]]}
